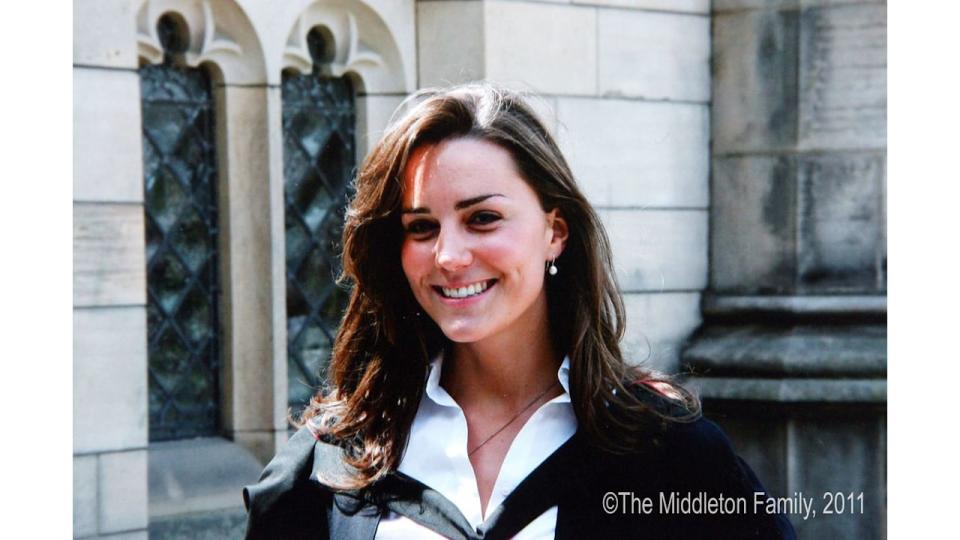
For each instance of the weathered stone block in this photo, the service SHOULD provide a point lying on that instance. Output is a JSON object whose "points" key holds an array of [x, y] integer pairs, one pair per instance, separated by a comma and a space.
{"points": [[84, 495], [755, 57], [198, 475], [545, 107], [690, 6], [373, 115], [653, 55], [841, 245], [109, 414], [752, 224], [263, 444], [843, 77], [810, 350], [200, 525], [739, 5], [252, 301], [123, 491], [794, 391], [839, 457], [109, 257], [107, 149], [129, 535], [657, 250], [882, 279], [635, 153], [104, 34], [450, 42], [657, 324], [822, 3], [547, 48]]}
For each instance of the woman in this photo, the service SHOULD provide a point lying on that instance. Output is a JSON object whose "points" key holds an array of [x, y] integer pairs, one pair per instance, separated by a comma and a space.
{"points": [[477, 385]]}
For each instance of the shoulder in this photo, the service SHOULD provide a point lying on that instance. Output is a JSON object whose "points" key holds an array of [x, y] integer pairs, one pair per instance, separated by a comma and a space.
{"points": [[286, 498], [678, 438], [692, 458], [664, 400]]}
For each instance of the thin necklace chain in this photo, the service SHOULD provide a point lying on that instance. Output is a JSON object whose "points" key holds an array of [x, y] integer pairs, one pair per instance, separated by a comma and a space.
{"points": [[511, 420]]}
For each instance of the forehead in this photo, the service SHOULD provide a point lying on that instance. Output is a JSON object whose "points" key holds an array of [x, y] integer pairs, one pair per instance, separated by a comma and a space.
{"points": [[460, 168]]}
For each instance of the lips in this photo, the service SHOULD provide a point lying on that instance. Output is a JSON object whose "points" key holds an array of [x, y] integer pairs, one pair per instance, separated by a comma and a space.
{"points": [[465, 291]]}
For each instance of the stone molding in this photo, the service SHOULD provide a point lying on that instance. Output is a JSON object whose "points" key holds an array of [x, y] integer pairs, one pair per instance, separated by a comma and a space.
{"points": [[852, 350], [817, 305], [364, 47], [790, 390], [219, 31]]}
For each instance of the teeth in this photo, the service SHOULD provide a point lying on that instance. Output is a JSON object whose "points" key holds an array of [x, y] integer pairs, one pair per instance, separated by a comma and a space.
{"points": [[463, 292]]}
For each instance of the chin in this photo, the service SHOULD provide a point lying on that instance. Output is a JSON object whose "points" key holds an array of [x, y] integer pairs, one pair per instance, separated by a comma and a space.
{"points": [[462, 333]]}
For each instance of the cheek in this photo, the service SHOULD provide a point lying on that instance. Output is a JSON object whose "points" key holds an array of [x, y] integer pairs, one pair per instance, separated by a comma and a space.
{"points": [[410, 261], [521, 247], [519, 260], [415, 259]]}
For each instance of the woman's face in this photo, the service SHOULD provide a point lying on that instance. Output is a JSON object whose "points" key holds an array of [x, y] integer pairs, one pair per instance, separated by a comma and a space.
{"points": [[476, 240]]}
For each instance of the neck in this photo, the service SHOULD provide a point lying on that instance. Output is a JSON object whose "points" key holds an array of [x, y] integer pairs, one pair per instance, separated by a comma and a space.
{"points": [[505, 371]]}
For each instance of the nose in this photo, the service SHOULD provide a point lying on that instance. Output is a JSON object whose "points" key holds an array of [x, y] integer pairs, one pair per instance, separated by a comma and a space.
{"points": [[452, 251]]}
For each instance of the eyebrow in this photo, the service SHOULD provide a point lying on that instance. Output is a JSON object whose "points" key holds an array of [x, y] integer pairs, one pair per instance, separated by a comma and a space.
{"points": [[458, 206]]}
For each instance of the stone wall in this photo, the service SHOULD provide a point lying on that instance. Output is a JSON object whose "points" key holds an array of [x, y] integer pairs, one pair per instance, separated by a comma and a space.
{"points": [[791, 359], [109, 287], [122, 483]]}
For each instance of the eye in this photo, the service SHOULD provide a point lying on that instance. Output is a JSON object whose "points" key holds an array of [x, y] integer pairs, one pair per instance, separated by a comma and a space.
{"points": [[420, 227], [484, 218]]}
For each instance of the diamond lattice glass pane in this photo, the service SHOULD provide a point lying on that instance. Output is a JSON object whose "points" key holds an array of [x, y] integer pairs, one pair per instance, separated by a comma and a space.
{"points": [[167, 279], [315, 276], [194, 315], [298, 241], [296, 166], [166, 198], [163, 125], [313, 200], [191, 238], [318, 132], [167, 361], [179, 202], [332, 162]]}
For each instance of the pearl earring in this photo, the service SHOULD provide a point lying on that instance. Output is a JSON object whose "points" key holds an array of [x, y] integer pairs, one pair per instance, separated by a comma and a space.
{"points": [[552, 268]]}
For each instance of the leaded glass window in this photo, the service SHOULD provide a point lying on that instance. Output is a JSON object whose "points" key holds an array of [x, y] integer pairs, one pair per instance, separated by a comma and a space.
{"points": [[318, 163], [180, 172]]}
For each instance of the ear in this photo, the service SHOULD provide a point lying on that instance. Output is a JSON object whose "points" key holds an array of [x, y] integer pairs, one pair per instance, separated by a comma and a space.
{"points": [[557, 233]]}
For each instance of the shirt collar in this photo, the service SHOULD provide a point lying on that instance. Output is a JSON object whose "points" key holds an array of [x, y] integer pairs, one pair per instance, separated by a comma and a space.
{"points": [[440, 396]]}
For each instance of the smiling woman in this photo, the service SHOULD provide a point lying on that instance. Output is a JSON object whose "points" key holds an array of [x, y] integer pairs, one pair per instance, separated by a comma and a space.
{"points": [[478, 388], [475, 243]]}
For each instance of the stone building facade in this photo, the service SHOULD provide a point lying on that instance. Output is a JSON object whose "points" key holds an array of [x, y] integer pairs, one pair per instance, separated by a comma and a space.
{"points": [[791, 358], [701, 232]]}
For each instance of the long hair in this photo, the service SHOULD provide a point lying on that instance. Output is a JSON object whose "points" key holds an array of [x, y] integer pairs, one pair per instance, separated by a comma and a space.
{"points": [[385, 342]]}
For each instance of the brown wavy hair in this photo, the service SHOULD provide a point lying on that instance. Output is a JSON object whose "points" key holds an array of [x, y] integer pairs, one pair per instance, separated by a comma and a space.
{"points": [[385, 342]]}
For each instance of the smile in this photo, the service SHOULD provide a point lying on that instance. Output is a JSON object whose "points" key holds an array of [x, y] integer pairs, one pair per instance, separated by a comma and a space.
{"points": [[467, 291]]}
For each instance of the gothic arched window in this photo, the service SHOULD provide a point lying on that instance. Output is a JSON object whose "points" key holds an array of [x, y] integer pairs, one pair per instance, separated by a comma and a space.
{"points": [[318, 162], [180, 203]]}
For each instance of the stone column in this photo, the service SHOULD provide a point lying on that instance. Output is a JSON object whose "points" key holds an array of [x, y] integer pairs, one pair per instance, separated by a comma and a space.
{"points": [[109, 278], [791, 358]]}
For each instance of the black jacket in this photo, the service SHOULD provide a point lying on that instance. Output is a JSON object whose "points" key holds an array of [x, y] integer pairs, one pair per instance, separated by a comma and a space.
{"points": [[683, 462]]}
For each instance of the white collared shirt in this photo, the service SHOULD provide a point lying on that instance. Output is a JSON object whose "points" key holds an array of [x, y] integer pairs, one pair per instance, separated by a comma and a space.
{"points": [[436, 455]]}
